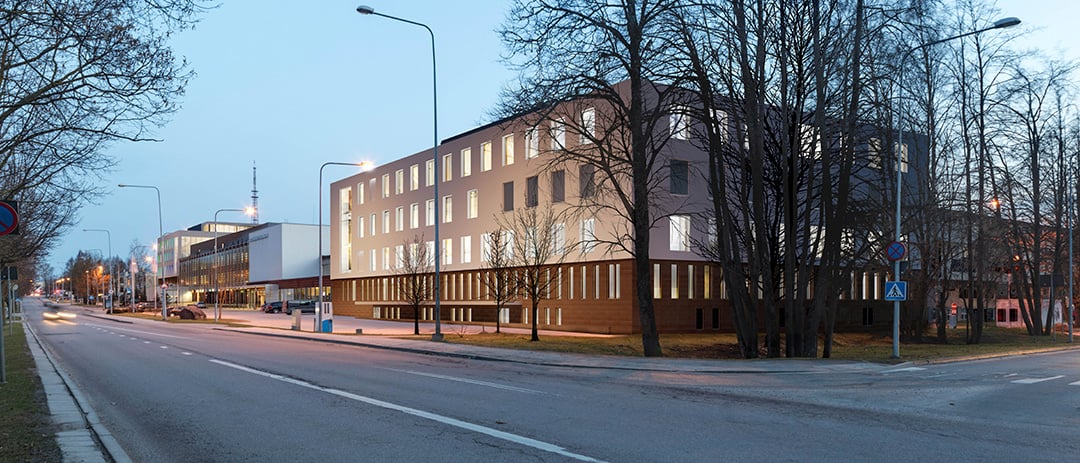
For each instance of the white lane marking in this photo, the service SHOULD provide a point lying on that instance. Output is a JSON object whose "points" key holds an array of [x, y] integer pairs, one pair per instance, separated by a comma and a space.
{"points": [[540, 445], [1035, 380], [1075, 384], [898, 370], [186, 353], [146, 342], [146, 333], [164, 347], [469, 381]]}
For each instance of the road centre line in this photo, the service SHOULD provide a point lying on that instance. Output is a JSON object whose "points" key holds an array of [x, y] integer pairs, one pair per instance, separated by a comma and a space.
{"points": [[469, 381], [536, 444], [898, 370], [146, 333], [1075, 384], [1035, 380]]}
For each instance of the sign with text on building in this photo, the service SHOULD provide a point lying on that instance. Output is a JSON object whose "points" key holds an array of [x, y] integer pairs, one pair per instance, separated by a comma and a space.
{"points": [[895, 290]]}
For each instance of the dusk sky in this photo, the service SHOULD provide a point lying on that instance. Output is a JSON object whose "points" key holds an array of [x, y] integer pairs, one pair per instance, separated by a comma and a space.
{"points": [[291, 85]]}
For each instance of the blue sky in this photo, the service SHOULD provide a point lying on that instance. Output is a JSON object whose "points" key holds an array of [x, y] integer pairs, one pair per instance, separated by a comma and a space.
{"points": [[291, 85]]}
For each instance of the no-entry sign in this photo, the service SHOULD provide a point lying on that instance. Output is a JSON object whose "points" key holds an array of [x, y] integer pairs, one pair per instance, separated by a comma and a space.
{"points": [[9, 218]]}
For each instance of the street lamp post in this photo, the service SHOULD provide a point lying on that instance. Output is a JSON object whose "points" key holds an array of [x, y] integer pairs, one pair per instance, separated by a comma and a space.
{"points": [[112, 270], [160, 250], [999, 24], [367, 10], [319, 290], [217, 298]]}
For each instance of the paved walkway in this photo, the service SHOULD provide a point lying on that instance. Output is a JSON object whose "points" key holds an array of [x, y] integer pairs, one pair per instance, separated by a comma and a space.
{"points": [[83, 439]]}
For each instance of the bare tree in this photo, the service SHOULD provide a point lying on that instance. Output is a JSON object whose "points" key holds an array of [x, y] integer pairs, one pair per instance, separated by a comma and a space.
{"points": [[414, 272], [499, 275], [76, 76], [538, 248]]}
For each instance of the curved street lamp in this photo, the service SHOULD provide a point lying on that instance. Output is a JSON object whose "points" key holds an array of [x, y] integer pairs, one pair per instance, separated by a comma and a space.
{"points": [[999, 24], [319, 290], [367, 10], [217, 299], [160, 249]]}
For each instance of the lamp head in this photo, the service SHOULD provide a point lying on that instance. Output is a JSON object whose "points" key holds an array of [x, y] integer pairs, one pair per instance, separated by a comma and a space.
{"points": [[1006, 22], [364, 9]]}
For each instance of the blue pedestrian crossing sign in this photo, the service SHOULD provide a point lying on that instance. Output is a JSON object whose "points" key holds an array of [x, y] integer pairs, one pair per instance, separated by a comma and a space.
{"points": [[895, 290]]}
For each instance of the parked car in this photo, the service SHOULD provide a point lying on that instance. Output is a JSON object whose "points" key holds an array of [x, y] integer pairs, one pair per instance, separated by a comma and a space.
{"points": [[272, 307], [200, 304], [302, 306]]}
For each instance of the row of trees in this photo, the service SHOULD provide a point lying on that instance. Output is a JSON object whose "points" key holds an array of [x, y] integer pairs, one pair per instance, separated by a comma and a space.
{"points": [[76, 77], [792, 101]]}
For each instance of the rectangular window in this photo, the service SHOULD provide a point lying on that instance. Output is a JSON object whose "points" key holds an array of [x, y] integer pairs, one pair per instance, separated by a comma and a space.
{"points": [[372, 265], [715, 318], [430, 169], [586, 182], [373, 226], [448, 209], [447, 251], [430, 252], [679, 176], [472, 205], [587, 235], [679, 122], [360, 192], [706, 287], [485, 156], [657, 291], [399, 181], [447, 167], [399, 218], [532, 191], [558, 134], [386, 221], [679, 233], [485, 247], [360, 226], [466, 249], [508, 196], [399, 256], [414, 215], [904, 158], [429, 212], [508, 150], [558, 240], [674, 281], [588, 125], [690, 281], [466, 162], [386, 185], [414, 177], [386, 258], [558, 186], [532, 144]]}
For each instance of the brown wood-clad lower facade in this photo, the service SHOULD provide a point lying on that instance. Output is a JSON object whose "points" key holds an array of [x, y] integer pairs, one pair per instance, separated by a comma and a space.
{"points": [[688, 297]]}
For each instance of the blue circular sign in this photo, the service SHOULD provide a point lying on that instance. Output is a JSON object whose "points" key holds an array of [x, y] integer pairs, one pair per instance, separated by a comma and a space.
{"points": [[895, 251], [9, 218]]}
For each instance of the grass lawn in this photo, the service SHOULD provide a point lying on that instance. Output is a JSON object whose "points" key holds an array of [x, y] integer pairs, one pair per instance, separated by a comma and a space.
{"points": [[26, 432], [870, 347]]}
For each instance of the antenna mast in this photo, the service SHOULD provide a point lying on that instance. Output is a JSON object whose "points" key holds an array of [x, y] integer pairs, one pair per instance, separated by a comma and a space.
{"points": [[254, 196]]}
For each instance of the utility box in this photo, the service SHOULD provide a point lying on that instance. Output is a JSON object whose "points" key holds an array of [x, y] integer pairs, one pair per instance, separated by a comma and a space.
{"points": [[327, 317], [296, 319]]}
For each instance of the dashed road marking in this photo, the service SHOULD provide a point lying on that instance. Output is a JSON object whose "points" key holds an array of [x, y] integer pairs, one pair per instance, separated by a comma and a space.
{"points": [[1035, 380], [1075, 384], [898, 370]]}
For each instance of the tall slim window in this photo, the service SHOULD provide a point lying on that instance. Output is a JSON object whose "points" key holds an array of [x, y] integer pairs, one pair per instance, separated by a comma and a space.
{"points": [[448, 167], [373, 226], [586, 180], [399, 256], [429, 213], [360, 225], [485, 156], [558, 186], [532, 144], [386, 258], [447, 251], [679, 122], [508, 196], [360, 192], [386, 185], [466, 249], [399, 181], [414, 177], [532, 191], [466, 162], [414, 215], [588, 125], [657, 291], [430, 169], [558, 239], [399, 218], [472, 205], [679, 176], [372, 265], [558, 134], [448, 209], [508, 150], [485, 247], [679, 233], [386, 221], [674, 281]]}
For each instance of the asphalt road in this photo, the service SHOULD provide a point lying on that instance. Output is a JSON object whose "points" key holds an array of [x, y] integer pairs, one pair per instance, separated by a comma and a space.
{"points": [[171, 392]]}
